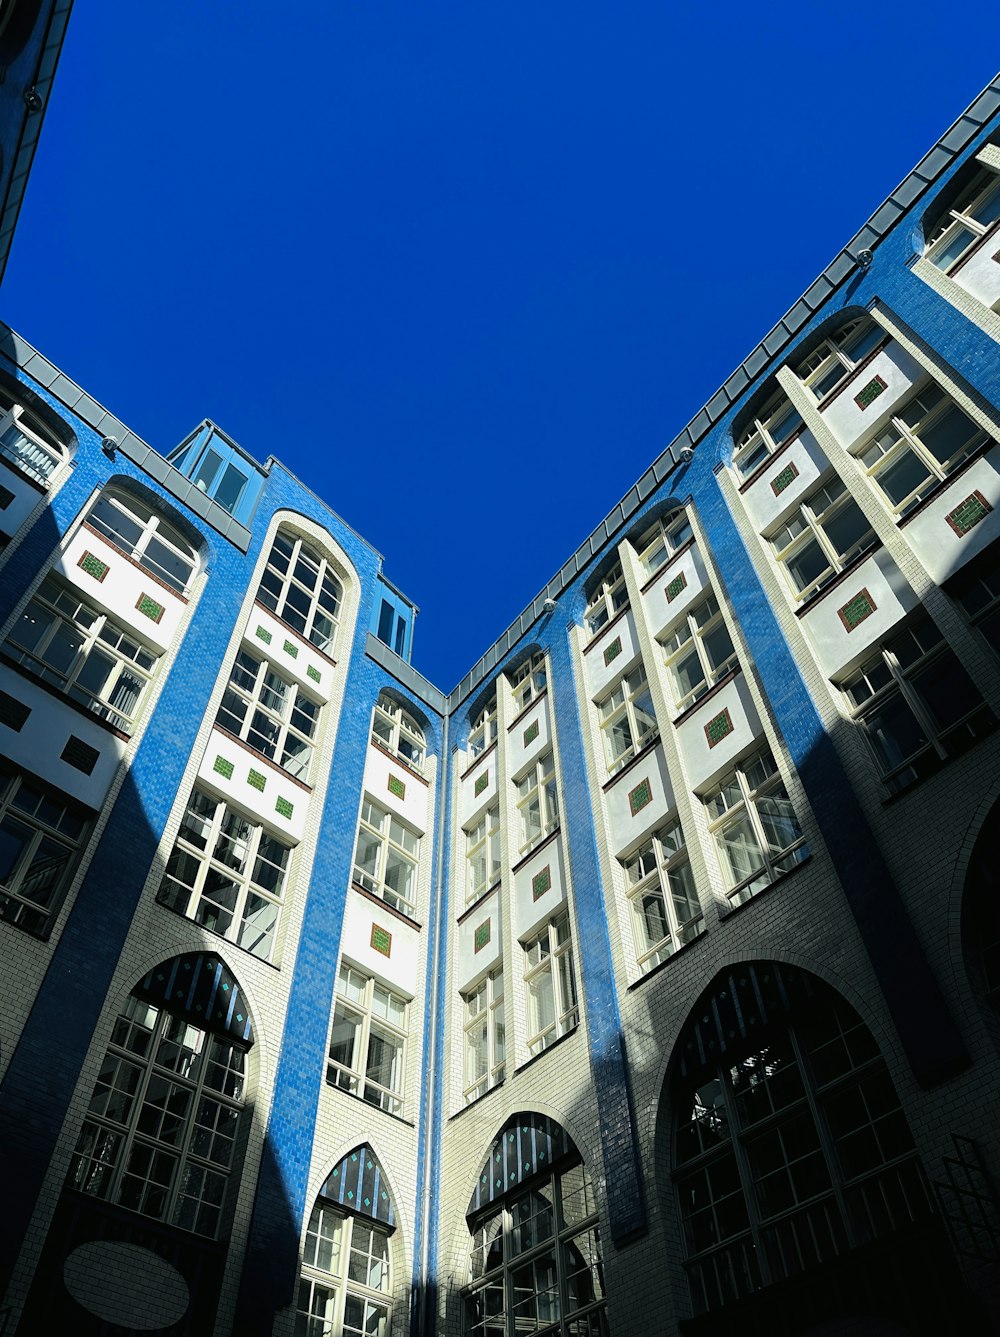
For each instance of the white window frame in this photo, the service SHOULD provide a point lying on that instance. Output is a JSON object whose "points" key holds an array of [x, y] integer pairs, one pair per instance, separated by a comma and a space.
{"points": [[50, 832], [301, 588], [751, 794], [982, 194], [483, 853], [483, 733], [836, 359], [659, 883], [484, 1039], [663, 540], [352, 1295], [537, 802], [395, 846], [528, 681], [607, 601], [626, 718], [776, 422], [219, 845], [270, 703], [689, 635], [396, 730], [549, 969], [377, 1014], [901, 437], [89, 634], [807, 527], [139, 531], [24, 442]]}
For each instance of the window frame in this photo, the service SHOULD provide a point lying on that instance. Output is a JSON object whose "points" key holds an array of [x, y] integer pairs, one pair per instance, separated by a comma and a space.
{"points": [[528, 681], [280, 584], [608, 600], [837, 350], [537, 794], [402, 735], [758, 441], [983, 189], [488, 1021], [660, 868], [545, 951], [663, 540], [483, 733], [621, 715], [153, 529], [812, 531], [358, 1009], [252, 679], [483, 841], [697, 635], [340, 1286], [16, 417], [376, 883], [44, 824]]}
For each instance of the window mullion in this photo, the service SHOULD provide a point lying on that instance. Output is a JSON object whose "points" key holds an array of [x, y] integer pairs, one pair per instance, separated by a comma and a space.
{"points": [[826, 1142]]}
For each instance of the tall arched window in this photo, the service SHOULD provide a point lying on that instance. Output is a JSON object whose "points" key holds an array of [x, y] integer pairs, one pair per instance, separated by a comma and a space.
{"points": [[536, 1243], [791, 1149], [345, 1286], [396, 730], [299, 586], [162, 1134], [139, 531]]}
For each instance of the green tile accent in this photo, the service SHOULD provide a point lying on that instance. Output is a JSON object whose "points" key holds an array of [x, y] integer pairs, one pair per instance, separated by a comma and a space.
{"points": [[313, 672], [856, 609], [612, 651], [531, 733], [397, 787], [869, 393], [150, 608], [482, 935], [80, 755], [283, 808], [292, 649], [263, 634], [381, 940], [639, 797], [781, 480], [93, 566], [968, 513], [256, 780], [718, 727], [481, 784], [541, 883], [678, 583], [224, 767]]}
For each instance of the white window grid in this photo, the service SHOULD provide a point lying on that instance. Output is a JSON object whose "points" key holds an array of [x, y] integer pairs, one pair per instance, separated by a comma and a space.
{"points": [[663, 539], [627, 719], [483, 853], [823, 537], [915, 703], [299, 587], [666, 911], [137, 529], [550, 982], [329, 1301], [775, 423], [484, 729], [40, 836], [537, 802], [274, 716], [536, 1262], [485, 1036], [835, 360], [698, 652], [228, 874], [160, 1137], [83, 651], [24, 441], [607, 601], [386, 857], [397, 731], [368, 1041], [754, 827], [962, 228], [924, 441], [528, 681]]}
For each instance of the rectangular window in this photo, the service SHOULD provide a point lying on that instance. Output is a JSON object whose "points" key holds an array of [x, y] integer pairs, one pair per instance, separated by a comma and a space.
{"points": [[537, 805], [84, 652], [227, 873], [483, 853], [824, 536], [757, 835], [41, 836], [777, 421], [663, 540], [485, 1051], [924, 441], [666, 912], [528, 681], [484, 729], [962, 227], [276, 717], [368, 1040], [607, 601], [385, 861], [836, 358], [698, 652], [627, 719], [551, 984], [916, 704]]}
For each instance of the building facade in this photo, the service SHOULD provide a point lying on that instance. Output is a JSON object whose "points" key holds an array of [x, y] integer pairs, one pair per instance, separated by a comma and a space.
{"points": [[646, 982]]}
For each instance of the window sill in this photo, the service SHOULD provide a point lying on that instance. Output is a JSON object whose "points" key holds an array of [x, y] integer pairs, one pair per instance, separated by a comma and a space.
{"points": [[944, 483], [663, 965], [838, 390], [475, 762], [478, 1100], [410, 770], [989, 235], [302, 640], [41, 488], [665, 566], [730, 910], [547, 840], [265, 761], [640, 756], [524, 710], [987, 723], [714, 690], [389, 909], [473, 906], [817, 596], [396, 1118], [134, 561], [60, 695], [548, 1049], [762, 469], [600, 634], [179, 914]]}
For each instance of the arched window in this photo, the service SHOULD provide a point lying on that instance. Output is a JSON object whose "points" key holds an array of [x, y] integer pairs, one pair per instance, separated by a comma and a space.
{"points": [[346, 1280], [790, 1145], [139, 531], [484, 728], [536, 1258], [162, 1133], [960, 229], [299, 586], [839, 355], [396, 730], [528, 681], [775, 422], [662, 539], [26, 442]]}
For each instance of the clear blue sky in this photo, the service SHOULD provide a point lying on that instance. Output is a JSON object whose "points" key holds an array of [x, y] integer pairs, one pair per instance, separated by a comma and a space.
{"points": [[467, 267]]}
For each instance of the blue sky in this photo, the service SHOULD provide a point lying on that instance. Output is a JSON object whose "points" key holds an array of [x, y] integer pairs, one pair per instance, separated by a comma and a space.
{"points": [[466, 268]]}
